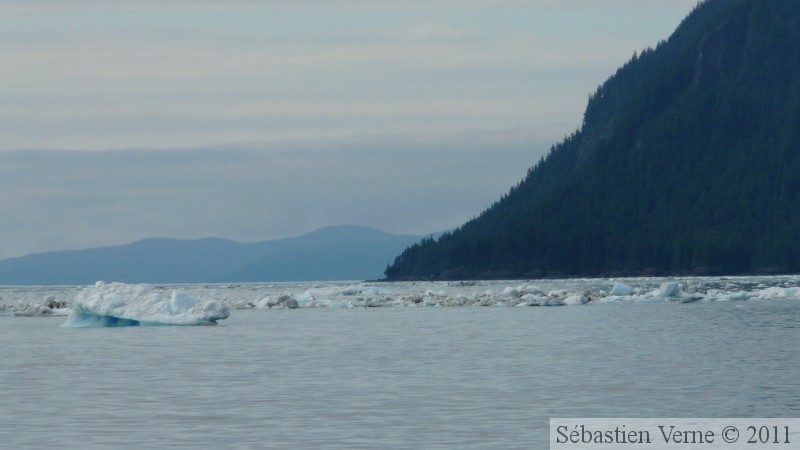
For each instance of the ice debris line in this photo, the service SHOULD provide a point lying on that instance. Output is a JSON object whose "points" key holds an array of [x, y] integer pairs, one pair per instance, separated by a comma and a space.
{"points": [[508, 294], [117, 304], [49, 307]]}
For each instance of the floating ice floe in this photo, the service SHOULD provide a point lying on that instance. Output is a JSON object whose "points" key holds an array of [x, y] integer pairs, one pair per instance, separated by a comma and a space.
{"points": [[117, 304], [49, 307], [621, 290], [670, 290], [283, 301]]}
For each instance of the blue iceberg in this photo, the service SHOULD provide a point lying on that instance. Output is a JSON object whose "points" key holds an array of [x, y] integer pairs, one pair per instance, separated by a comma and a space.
{"points": [[120, 305]]}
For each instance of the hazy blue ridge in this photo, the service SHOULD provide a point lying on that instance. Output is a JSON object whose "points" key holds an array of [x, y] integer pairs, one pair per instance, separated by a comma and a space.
{"points": [[687, 162], [345, 252]]}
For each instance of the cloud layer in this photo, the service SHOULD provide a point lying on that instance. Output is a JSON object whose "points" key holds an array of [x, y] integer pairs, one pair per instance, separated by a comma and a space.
{"points": [[78, 199], [99, 75], [290, 115]]}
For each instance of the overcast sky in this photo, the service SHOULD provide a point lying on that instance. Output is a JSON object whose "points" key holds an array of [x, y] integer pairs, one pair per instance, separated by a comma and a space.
{"points": [[255, 120]]}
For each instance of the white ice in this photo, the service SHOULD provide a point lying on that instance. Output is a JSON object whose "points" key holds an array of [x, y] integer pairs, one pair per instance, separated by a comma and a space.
{"points": [[50, 306], [115, 304], [621, 289], [118, 304]]}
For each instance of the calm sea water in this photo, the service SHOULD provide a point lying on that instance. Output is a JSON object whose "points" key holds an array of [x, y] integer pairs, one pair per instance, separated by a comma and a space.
{"points": [[392, 377]]}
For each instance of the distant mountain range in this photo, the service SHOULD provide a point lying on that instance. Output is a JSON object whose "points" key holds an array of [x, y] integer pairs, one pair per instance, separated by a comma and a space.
{"points": [[345, 252], [687, 162]]}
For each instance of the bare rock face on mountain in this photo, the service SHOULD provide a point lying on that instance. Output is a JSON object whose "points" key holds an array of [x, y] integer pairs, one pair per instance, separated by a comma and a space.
{"points": [[687, 162]]}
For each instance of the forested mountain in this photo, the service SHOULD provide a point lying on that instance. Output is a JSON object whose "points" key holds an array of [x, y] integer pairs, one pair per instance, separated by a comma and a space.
{"points": [[687, 161]]}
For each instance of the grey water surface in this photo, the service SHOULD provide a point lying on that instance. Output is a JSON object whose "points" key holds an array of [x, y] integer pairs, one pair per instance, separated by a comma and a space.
{"points": [[457, 378]]}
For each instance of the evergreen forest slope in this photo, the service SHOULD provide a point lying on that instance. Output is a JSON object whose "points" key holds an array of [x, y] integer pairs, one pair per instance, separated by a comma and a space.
{"points": [[687, 161]]}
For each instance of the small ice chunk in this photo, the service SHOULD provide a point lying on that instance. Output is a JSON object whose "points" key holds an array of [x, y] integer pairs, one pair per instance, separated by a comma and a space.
{"points": [[511, 291], [533, 300], [670, 290], [430, 301], [305, 297], [531, 289], [621, 290], [284, 301], [553, 301], [575, 299], [33, 310], [778, 292]]}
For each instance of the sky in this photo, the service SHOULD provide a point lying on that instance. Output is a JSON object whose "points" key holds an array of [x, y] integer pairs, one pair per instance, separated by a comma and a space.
{"points": [[256, 120]]}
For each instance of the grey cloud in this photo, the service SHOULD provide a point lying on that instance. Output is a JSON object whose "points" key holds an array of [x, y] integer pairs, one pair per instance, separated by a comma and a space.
{"points": [[110, 87], [416, 80]]}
